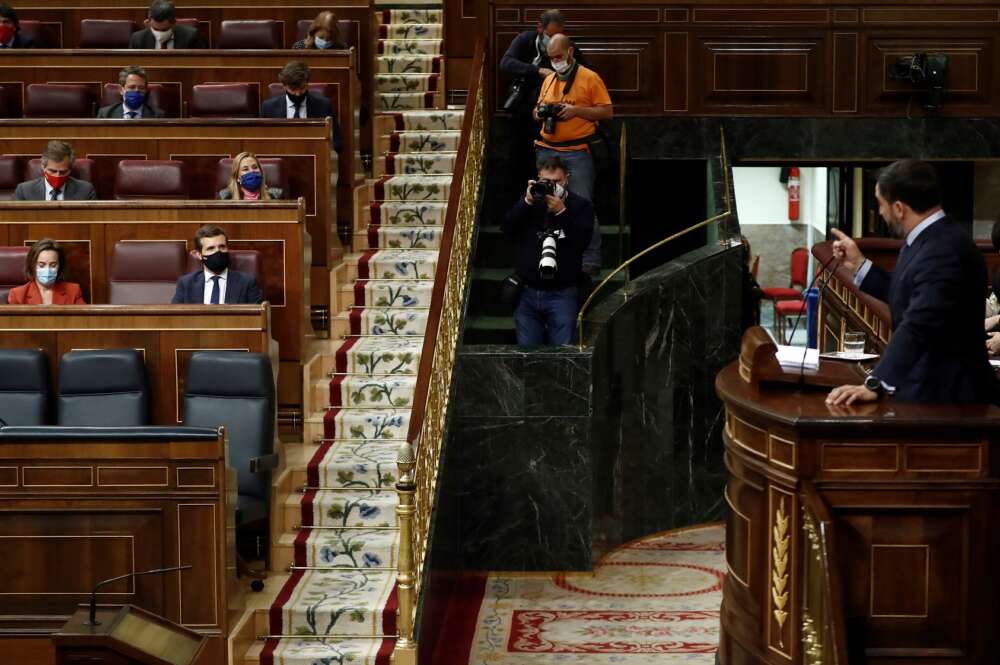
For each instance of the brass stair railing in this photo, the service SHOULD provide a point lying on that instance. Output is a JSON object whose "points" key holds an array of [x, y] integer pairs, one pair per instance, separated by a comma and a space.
{"points": [[824, 638], [624, 267], [419, 456]]}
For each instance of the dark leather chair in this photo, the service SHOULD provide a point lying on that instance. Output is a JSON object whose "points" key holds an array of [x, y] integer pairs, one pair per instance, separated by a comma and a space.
{"points": [[275, 172], [105, 33], [83, 169], [166, 97], [150, 179], [4, 112], [236, 390], [11, 269], [42, 35], [10, 177], [344, 25], [24, 387], [58, 100], [243, 260], [102, 388], [145, 273], [241, 34], [224, 100]]}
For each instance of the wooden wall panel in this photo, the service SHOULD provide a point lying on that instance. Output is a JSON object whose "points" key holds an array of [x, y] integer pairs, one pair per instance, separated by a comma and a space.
{"points": [[676, 72]]}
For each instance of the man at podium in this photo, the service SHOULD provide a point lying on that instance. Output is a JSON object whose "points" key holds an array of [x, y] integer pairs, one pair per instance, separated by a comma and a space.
{"points": [[935, 294]]}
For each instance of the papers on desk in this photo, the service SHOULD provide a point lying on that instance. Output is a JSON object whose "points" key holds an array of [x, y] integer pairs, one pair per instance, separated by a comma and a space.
{"points": [[796, 357]]}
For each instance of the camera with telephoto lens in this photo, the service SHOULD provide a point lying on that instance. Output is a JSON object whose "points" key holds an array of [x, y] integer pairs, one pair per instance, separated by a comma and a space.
{"points": [[548, 266], [927, 70], [549, 114], [540, 189], [515, 94]]}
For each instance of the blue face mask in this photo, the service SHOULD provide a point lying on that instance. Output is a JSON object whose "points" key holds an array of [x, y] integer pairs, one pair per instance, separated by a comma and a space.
{"points": [[134, 99], [46, 276], [321, 43], [251, 180]]}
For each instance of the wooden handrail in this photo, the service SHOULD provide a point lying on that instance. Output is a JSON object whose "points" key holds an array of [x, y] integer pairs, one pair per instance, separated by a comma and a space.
{"points": [[833, 628]]}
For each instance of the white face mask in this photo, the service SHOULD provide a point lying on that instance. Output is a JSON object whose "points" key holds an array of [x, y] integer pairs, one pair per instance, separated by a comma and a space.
{"points": [[545, 41], [561, 67], [162, 36], [321, 43], [560, 191]]}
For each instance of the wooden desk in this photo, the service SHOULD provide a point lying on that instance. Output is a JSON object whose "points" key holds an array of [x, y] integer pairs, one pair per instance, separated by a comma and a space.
{"points": [[19, 68], [166, 335], [89, 231], [898, 500], [77, 510]]}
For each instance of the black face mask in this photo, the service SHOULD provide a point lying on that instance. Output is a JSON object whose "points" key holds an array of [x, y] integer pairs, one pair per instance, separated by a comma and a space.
{"points": [[297, 99], [217, 262]]}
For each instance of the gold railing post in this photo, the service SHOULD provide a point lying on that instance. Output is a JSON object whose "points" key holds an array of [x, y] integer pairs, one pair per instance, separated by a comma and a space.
{"points": [[406, 487]]}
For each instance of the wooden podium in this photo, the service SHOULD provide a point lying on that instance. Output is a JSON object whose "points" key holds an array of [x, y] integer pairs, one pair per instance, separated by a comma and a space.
{"points": [[856, 534], [128, 635]]}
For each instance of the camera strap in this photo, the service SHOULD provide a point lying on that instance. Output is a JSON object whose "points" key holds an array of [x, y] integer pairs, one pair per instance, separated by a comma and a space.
{"points": [[570, 78]]}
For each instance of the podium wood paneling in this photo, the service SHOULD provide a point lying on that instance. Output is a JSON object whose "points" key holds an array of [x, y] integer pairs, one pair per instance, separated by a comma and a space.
{"points": [[200, 144], [166, 336], [188, 68], [73, 513], [912, 490], [751, 58]]}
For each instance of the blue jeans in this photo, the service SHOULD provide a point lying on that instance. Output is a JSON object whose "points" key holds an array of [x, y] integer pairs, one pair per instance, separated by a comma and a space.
{"points": [[582, 174], [545, 317]]}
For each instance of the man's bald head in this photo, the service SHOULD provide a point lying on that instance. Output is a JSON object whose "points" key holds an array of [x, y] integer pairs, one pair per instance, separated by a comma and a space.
{"points": [[560, 48]]}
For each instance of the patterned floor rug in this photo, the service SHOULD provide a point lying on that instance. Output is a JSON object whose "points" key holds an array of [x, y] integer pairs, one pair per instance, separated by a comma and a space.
{"points": [[655, 600]]}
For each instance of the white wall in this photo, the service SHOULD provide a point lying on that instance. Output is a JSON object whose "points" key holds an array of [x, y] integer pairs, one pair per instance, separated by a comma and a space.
{"points": [[762, 199]]}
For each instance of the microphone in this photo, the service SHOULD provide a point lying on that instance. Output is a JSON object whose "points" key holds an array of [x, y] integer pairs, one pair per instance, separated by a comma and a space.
{"points": [[93, 594], [805, 352]]}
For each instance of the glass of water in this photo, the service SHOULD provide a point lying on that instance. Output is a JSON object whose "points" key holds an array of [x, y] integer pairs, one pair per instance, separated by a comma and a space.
{"points": [[854, 343]]}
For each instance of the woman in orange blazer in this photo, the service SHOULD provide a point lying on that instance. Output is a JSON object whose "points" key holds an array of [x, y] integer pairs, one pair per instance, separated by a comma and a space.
{"points": [[44, 268]]}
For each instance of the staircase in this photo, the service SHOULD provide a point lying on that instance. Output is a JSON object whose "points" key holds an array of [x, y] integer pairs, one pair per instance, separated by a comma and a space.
{"points": [[336, 519]]}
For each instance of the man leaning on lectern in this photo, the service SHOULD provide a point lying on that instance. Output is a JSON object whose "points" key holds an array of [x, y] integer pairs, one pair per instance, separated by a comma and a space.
{"points": [[935, 295]]}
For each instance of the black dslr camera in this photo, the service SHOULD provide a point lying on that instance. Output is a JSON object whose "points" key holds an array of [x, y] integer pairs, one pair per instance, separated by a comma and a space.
{"points": [[540, 189], [549, 114], [926, 70]]}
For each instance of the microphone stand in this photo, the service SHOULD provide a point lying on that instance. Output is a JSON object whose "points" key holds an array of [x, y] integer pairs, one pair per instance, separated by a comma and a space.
{"points": [[92, 621]]}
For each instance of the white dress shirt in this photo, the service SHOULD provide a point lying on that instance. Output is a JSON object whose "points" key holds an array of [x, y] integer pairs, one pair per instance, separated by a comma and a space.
{"points": [[48, 190], [126, 110], [169, 44], [223, 278], [290, 108]]}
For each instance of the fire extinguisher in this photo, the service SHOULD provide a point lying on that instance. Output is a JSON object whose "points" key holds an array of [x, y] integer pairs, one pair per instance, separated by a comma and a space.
{"points": [[793, 194]]}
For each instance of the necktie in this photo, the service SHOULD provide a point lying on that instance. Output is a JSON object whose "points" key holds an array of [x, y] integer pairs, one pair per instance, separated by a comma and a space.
{"points": [[214, 300], [55, 195], [299, 111]]}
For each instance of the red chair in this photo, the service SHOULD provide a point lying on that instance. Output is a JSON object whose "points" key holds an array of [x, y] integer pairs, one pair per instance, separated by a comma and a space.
{"points": [[11, 269], [275, 173], [344, 26], [798, 264], [328, 90], [104, 33], [9, 177], [145, 273], [42, 35], [787, 309], [224, 100], [58, 100], [250, 34], [242, 260], [83, 169], [150, 179], [194, 23], [163, 96]]}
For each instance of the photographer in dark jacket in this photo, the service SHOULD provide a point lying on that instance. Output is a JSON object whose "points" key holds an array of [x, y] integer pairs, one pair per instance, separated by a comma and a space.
{"points": [[550, 227]]}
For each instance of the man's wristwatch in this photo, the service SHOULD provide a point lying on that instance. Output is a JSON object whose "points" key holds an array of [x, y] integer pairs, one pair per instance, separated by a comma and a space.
{"points": [[874, 384]]}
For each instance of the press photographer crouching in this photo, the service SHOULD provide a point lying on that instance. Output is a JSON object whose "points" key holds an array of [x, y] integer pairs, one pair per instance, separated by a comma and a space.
{"points": [[551, 227]]}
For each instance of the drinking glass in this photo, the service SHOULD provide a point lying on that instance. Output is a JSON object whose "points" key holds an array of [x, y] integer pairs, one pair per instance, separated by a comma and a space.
{"points": [[854, 343]]}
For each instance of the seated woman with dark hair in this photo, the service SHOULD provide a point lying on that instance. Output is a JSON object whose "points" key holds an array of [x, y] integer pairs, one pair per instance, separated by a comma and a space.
{"points": [[323, 33], [247, 181], [992, 304], [44, 268]]}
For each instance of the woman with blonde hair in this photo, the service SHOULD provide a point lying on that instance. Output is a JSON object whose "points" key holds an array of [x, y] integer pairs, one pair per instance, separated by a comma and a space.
{"points": [[323, 33], [247, 181]]}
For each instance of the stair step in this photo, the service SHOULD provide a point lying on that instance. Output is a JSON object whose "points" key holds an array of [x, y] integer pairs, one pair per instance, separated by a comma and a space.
{"points": [[378, 293], [408, 16], [342, 509], [409, 47], [378, 321], [356, 603], [294, 651], [399, 237], [408, 213], [403, 101], [371, 391], [409, 64], [426, 120], [374, 356], [428, 163], [407, 82]]}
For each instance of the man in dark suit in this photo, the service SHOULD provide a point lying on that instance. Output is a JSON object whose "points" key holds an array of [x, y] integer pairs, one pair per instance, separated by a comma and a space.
{"points": [[10, 29], [162, 31], [134, 83], [56, 183], [935, 293], [215, 283], [298, 101]]}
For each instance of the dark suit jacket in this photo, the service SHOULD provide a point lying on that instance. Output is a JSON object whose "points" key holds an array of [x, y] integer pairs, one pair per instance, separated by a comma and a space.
{"points": [[241, 289], [936, 292], [184, 37], [22, 41], [73, 190], [317, 106], [118, 111], [517, 62]]}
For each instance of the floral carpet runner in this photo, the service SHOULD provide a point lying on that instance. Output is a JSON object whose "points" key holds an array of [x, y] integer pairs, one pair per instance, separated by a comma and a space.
{"points": [[651, 601], [339, 605]]}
